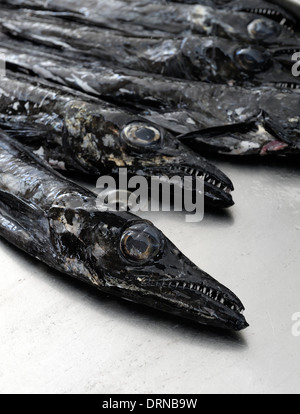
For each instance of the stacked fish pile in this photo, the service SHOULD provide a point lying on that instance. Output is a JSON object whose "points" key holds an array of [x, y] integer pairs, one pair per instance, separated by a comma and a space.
{"points": [[94, 86]]}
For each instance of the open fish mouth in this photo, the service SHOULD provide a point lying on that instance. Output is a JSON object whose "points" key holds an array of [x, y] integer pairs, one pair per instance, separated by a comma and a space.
{"points": [[216, 306], [212, 294], [210, 179], [222, 182], [218, 187], [287, 85]]}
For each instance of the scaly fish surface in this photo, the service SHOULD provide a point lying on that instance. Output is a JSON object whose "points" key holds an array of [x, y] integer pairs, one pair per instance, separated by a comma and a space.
{"points": [[58, 222], [148, 18], [193, 57], [73, 130]]}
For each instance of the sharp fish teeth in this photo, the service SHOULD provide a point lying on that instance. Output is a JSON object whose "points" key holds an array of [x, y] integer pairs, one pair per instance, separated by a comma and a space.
{"points": [[271, 13], [283, 22], [212, 294]]}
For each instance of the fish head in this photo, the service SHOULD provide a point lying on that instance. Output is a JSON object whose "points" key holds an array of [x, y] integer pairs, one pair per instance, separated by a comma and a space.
{"points": [[161, 273], [221, 60], [260, 8], [130, 258], [270, 25], [145, 149], [150, 151]]}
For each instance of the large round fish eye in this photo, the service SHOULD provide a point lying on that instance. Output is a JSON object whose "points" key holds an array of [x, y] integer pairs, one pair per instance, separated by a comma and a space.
{"points": [[141, 242], [252, 60], [263, 29], [141, 136]]}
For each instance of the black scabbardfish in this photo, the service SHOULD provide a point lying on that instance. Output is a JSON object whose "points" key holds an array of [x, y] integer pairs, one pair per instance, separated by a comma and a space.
{"points": [[156, 19], [73, 130], [236, 121], [212, 59], [58, 222]]}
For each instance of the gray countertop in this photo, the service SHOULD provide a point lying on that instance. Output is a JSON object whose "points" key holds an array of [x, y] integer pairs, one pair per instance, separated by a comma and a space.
{"points": [[60, 336]]}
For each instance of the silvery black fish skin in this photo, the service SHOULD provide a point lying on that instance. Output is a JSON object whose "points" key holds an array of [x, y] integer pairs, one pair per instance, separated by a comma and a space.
{"points": [[145, 18], [193, 58], [58, 223], [235, 121], [80, 132], [240, 121]]}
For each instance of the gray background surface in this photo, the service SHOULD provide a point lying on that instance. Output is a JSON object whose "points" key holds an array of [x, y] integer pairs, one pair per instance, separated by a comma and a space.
{"points": [[59, 336]]}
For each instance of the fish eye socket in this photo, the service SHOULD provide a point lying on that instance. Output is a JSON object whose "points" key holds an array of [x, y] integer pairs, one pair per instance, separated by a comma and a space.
{"points": [[141, 243], [264, 29], [252, 60], [141, 136]]}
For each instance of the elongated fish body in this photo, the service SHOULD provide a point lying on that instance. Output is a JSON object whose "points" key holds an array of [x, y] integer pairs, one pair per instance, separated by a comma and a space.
{"points": [[156, 19], [193, 57], [58, 222], [73, 130], [240, 121]]}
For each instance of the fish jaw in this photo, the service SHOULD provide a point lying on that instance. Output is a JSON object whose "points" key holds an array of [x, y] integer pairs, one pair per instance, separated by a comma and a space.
{"points": [[220, 60], [176, 286], [167, 157], [260, 137], [183, 163], [265, 9], [247, 24], [128, 257]]}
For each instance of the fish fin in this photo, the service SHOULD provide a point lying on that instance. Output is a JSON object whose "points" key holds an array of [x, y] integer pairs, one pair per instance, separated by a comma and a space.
{"points": [[22, 225], [13, 232], [18, 206], [26, 132]]}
